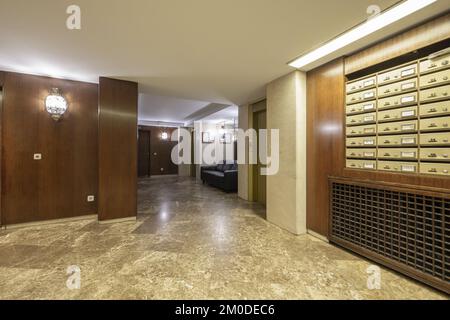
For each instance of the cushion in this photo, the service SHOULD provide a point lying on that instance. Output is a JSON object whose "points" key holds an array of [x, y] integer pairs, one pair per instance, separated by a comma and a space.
{"points": [[221, 167], [214, 173]]}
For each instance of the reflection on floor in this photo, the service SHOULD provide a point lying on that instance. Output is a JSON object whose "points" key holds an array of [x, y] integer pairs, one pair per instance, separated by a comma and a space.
{"points": [[190, 242]]}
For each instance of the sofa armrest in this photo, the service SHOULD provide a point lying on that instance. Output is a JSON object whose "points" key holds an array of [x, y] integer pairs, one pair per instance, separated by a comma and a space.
{"points": [[231, 174], [230, 180]]}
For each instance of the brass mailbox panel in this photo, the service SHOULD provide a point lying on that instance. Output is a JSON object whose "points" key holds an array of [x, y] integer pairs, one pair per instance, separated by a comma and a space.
{"points": [[435, 139], [398, 153], [362, 164], [398, 114], [397, 74], [405, 167], [398, 120], [398, 127], [361, 84], [397, 101], [398, 140], [369, 106], [366, 142], [435, 168], [435, 109], [437, 93], [433, 79], [361, 153], [435, 154], [435, 124], [435, 64], [364, 118], [362, 96], [397, 88], [362, 130]]}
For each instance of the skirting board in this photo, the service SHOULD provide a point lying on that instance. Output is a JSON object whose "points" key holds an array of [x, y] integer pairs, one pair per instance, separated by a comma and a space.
{"points": [[161, 176], [121, 220], [318, 236], [49, 222]]}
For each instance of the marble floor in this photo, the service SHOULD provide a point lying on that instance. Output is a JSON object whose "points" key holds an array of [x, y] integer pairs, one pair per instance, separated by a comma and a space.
{"points": [[190, 242]]}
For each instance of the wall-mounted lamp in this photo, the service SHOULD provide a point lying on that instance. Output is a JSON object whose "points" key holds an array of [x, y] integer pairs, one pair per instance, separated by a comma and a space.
{"points": [[164, 135], [55, 104]]}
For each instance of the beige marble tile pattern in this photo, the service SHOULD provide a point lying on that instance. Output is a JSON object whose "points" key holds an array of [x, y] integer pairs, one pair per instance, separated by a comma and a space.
{"points": [[190, 242]]}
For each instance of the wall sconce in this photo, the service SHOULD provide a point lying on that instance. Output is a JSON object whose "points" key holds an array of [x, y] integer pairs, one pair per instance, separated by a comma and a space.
{"points": [[164, 135], [55, 104]]}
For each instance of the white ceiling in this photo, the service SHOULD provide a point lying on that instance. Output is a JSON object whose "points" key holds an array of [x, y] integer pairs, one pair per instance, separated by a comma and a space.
{"points": [[167, 109], [205, 50], [227, 115]]}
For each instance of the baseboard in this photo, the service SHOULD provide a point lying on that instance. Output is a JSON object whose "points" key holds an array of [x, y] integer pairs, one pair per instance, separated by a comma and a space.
{"points": [[120, 220], [160, 176], [318, 236], [49, 222]]}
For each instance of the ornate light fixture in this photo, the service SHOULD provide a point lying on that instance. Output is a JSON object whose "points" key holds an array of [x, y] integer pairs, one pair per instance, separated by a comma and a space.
{"points": [[164, 135], [55, 104]]}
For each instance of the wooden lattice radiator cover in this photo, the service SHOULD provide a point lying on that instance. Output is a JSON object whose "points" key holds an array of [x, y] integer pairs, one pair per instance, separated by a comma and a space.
{"points": [[405, 228]]}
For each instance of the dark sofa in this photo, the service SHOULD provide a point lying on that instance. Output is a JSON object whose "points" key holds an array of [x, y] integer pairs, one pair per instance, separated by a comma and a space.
{"points": [[223, 176]]}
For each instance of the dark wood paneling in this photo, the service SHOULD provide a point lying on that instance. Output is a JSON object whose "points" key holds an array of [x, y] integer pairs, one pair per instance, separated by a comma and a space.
{"points": [[117, 149], [161, 151], [325, 139], [58, 185], [424, 35]]}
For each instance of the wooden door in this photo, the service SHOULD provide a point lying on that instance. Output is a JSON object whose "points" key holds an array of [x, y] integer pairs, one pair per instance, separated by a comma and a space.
{"points": [[1, 104], [144, 153], [260, 184]]}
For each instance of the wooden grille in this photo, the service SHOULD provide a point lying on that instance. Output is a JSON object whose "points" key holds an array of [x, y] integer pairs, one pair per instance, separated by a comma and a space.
{"points": [[409, 228]]}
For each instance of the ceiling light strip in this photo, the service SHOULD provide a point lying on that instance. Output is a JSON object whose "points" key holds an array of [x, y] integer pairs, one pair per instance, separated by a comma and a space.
{"points": [[372, 25]]}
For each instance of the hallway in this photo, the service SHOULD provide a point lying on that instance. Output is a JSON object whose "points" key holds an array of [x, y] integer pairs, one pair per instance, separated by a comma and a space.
{"points": [[190, 242]]}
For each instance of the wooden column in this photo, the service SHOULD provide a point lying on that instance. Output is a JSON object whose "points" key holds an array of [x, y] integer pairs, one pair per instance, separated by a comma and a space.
{"points": [[325, 135], [117, 149]]}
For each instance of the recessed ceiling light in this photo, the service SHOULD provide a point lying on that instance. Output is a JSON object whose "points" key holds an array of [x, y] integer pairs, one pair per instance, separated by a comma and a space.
{"points": [[370, 26]]}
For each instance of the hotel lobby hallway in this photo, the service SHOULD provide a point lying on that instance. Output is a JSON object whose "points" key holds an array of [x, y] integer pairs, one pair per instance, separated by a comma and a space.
{"points": [[190, 241]]}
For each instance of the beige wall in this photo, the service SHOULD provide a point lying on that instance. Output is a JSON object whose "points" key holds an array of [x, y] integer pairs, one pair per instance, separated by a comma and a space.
{"points": [[286, 191]]}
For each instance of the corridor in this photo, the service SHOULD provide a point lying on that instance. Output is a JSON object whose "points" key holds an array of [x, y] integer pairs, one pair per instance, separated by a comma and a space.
{"points": [[190, 242]]}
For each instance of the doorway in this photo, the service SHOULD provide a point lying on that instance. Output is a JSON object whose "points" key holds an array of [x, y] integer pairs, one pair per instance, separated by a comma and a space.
{"points": [[144, 154], [259, 180]]}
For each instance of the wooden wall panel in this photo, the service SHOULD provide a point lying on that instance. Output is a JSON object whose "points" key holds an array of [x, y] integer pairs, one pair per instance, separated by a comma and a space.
{"points": [[58, 185], [424, 35], [325, 139], [117, 149], [163, 150]]}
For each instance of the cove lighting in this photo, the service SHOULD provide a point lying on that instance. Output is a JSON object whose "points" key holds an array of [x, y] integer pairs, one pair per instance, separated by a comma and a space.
{"points": [[370, 26]]}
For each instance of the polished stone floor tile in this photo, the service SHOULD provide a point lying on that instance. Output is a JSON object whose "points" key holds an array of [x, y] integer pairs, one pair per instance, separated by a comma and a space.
{"points": [[190, 241]]}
